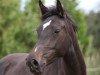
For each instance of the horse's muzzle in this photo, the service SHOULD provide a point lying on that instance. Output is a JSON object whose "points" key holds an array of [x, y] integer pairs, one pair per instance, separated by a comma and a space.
{"points": [[33, 66]]}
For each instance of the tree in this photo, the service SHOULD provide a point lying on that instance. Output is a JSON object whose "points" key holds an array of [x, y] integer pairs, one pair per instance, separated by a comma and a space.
{"points": [[8, 15], [93, 21], [17, 29]]}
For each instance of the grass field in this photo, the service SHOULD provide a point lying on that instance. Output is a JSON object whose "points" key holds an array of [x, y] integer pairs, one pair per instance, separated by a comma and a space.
{"points": [[93, 64]]}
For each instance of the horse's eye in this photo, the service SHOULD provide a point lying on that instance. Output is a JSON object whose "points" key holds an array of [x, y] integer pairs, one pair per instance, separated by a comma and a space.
{"points": [[57, 31]]}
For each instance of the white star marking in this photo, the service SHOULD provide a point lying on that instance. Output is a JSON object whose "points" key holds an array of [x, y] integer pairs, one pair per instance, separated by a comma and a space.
{"points": [[46, 24], [35, 49]]}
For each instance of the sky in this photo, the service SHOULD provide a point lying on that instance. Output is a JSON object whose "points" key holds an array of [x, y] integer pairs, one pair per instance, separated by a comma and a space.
{"points": [[23, 4], [88, 5], [85, 5]]}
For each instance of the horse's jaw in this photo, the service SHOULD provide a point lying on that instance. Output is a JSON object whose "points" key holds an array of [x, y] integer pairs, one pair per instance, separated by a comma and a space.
{"points": [[58, 67]]}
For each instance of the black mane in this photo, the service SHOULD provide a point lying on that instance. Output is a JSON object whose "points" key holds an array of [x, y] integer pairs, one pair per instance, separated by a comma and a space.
{"points": [[52, 11]]}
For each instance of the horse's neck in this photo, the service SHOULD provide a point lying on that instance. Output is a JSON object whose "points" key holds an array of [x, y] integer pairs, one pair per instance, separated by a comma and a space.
{"points": [[58, 67], [72, 61], [78, 53]]}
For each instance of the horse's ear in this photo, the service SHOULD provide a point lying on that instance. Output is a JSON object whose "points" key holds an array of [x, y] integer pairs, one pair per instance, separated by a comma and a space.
{"points": [[42, 8], [59, 8]]}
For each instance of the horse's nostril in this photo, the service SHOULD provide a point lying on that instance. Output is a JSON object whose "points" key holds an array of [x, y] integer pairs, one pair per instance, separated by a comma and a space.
{"points": [[35, 63]]}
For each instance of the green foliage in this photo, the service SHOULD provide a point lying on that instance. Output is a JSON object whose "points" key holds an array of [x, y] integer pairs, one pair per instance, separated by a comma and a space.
{"points": [[8, 15], [17, 29], [93, 21]]}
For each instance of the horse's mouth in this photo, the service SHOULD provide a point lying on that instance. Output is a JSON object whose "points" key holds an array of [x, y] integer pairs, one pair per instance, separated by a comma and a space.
{"points": [[33, 68]]}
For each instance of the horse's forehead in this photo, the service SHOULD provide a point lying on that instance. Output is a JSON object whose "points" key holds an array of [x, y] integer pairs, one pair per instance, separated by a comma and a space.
{"points": [[45, 25], [54, 20]]}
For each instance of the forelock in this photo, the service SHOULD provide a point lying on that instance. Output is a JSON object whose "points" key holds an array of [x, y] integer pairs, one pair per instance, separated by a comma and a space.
{"points": [[51, 12]]}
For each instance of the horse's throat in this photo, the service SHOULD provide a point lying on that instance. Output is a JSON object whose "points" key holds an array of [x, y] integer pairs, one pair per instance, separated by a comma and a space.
{"points": [[58, 67]]}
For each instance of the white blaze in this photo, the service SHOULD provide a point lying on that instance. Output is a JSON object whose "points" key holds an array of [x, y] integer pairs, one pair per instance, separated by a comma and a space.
{"points": [[46, 24], [35, 49]]}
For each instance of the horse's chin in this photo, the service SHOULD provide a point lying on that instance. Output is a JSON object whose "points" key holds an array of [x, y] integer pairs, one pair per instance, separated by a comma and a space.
{"points": [[35, 71]]}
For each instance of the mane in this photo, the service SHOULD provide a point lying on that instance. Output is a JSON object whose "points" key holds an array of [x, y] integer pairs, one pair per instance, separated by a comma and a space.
{"points": [[52, 11]]}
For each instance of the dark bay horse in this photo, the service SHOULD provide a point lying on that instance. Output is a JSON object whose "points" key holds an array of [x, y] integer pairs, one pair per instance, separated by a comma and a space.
{"points": [[56, 52]]}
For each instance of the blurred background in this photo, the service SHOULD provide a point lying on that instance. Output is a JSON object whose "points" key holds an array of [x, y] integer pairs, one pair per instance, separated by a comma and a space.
{"points": [[20, 18]]}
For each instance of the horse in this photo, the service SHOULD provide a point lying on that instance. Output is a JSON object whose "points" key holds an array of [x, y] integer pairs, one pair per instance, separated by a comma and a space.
{"points": [[56, 52]]}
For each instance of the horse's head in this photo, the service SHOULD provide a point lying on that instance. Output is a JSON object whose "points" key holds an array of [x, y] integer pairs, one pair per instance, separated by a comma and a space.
{"points": [[53, 38]]}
